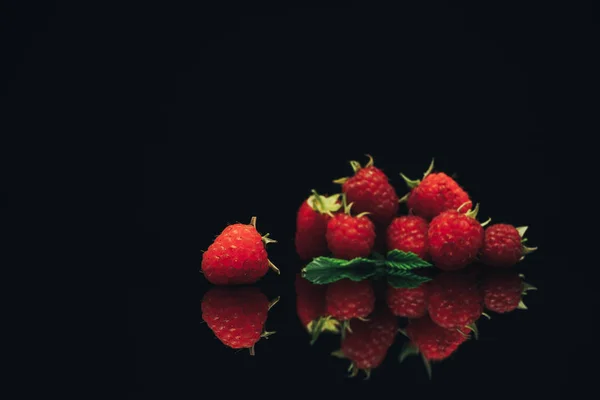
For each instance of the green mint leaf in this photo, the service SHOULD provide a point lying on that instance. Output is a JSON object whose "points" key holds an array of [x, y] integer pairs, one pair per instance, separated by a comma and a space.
{"points": [[323, 270], [404, 279], [405, 260]]}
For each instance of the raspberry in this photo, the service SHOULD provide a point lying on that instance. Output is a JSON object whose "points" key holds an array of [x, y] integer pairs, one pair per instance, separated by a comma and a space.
{"points": [[408, 233], [370, 191], [236, 315], [502, 245], [455, 300], [454, 239], [346, 299], [432, 341], [350, 236], [437, 192], [367, 344], [503, 291], [408, 302], [310, 307], [237, 256], [311, 225]]}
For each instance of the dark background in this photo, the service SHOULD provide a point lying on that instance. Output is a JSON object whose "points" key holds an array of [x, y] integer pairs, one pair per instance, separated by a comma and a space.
{"points": [[242, 110]]}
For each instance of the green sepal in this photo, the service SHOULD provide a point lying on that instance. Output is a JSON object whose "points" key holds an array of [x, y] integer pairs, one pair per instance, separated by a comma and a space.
{"points": [[338, 354], [320, 325], [528, 250], [474, 329], [427, 365], [411, 183], [521, 306], [522, 230], [528, 286], [324, 204], [471, 213], [408, 350]]}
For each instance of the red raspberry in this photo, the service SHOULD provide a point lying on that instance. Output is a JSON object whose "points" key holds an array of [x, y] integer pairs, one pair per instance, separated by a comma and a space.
{"points": [[502, 246], [310, 306], [408, 233], [432, 341], [349, 236], [370, 191], [236, 315], [346, 299], [455, 300], [503, 291], [237, 256], [437, 192], [454, 240], [367, 344], [311, 225], [408, 302]]}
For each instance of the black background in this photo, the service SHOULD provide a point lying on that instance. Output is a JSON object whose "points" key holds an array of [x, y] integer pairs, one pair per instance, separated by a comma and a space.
{"points": [[240, 111]]}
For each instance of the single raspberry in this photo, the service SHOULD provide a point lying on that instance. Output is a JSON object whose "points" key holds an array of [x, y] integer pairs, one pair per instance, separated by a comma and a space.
{"points": [[346, 299], [310, 307], [408, 302], [370, 191], [455, 300], [503, 290], [237, 256], [367, 344], [437, 192], [454, 239], [237, 315], [431, 340], [408, 233], [350, 236], [502, 245], [311, 225]]}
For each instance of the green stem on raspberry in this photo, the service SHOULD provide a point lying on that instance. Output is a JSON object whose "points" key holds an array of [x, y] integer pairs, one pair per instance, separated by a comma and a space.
{"points": [[370, 163], [274, 268], [527, 286], [429, 169], [521, 306], [367, 373], [362, 214], [266, 239], [341, 181], [528, 250], [318, 200], [522, 230], [266, 334], [353, 370], [410, 182], [409, 349], [339, 354], [252, 351], [471, 213], [253, 221], [483, 224], [273, 302], [355, 166], [404, 198], [475, 330], [427, 366]]}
